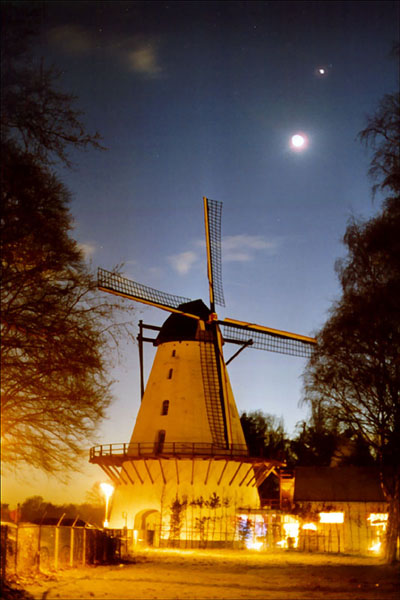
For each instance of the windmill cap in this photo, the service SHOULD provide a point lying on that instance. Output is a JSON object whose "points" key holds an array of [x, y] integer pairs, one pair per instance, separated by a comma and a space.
{"points": [[178, 327]]}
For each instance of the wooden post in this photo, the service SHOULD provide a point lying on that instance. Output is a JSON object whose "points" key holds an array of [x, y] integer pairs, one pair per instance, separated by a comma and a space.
{"points": [[140, 345], [56, 546], [84, 547], [16, 549], [4, 534], [57, 542], [72, 541], [71, 547]]}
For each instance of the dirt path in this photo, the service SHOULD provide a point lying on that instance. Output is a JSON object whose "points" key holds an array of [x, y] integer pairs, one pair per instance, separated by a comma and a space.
{"points": [[167, 575]]}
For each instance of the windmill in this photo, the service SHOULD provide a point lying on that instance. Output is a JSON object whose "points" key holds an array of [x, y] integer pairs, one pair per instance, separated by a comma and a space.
{"points": [[187, 444]]}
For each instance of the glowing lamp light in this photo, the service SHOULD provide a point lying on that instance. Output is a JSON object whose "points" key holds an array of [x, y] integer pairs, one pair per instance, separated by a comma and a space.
{"points": [[108, 491], [310, 526], [321, 71], [250, 545], [375, 547], [331, 517], [378, 519]]}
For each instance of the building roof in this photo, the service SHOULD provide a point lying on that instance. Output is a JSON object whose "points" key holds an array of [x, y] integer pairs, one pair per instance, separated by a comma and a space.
{"points": [[178, 327], [339, 484]]}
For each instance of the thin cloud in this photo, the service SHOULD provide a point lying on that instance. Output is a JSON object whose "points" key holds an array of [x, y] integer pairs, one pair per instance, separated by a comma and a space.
{"points": [[242, 247], [137, 54], [72, 39], [183, 262], [143, 60], [235, 248], [88, 249]]}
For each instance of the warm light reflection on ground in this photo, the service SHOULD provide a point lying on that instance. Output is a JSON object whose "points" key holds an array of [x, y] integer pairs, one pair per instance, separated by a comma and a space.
{"points": [[224, 574]]}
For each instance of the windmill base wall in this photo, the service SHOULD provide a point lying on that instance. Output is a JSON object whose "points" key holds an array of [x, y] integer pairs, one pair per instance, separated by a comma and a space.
{"points": [[183, 501]]}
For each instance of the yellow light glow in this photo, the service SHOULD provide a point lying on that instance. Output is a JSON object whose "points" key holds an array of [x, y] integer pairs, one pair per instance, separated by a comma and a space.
{"points": [[375, 547], [292, 533], [291, 529], [253, 545], [331, 517], [282, 543], [311, 526], [378, 519], [108, 491]]}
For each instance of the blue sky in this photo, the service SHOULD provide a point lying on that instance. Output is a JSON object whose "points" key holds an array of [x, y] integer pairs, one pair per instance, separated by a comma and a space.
{"points": [[201, 99]]}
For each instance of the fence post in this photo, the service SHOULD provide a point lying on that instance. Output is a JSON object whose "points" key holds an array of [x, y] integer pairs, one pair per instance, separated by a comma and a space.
{"points": [[16, 549], [56, 545], [84, 547], [71, 549], [39, 541], [4, 534]]}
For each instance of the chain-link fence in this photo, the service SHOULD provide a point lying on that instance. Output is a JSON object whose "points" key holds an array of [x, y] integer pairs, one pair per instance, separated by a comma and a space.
{"points": [[28, 547]]}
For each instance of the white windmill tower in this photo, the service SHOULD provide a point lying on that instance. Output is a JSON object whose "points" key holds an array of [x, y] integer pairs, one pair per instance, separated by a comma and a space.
{"points": [[187, 454]]}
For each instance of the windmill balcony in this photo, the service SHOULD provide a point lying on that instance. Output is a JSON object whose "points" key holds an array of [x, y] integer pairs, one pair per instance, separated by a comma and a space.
{"points": [[118, 453]]}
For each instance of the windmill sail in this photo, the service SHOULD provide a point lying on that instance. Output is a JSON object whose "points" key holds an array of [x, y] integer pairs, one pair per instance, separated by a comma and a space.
{"points": [[266, 338], [212, 218], [121, 286]]}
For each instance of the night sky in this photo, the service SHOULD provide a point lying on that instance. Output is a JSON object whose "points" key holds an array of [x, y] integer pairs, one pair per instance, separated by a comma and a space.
{"points": [[201, 99]]}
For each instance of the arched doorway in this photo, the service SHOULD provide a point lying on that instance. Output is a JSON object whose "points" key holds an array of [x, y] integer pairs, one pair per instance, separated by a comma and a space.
{"points": [[147, 524]]}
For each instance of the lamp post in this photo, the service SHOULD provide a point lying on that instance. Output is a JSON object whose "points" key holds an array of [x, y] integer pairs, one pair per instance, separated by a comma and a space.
{"points": [[108, 491]]}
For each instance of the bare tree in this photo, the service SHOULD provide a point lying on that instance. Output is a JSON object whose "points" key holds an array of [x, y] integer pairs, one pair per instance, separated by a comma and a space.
{"points": [[57, 332], [355, 371]]}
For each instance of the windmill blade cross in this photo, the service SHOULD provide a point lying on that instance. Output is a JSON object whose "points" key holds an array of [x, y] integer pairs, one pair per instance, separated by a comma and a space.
{"points": [[266, 338], [212, 219], [121, 286]]}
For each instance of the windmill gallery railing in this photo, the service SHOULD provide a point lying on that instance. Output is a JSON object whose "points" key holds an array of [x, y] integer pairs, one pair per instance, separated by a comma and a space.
{"points": [[131, 450]]}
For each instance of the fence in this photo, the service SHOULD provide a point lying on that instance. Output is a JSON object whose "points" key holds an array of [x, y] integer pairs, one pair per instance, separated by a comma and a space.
{"points": [[28, 547]]}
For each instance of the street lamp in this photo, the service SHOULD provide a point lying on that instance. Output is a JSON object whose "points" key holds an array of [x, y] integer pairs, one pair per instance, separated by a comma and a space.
{"points": [[108, 491]]}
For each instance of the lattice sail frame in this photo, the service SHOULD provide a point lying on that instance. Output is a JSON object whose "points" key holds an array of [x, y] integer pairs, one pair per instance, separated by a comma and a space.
{"points": [[212, 218], [266, 340], [127, 288], [262, 338]]}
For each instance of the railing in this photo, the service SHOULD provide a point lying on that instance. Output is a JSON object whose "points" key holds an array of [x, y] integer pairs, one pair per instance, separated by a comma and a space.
{"points": [[144, 449]]}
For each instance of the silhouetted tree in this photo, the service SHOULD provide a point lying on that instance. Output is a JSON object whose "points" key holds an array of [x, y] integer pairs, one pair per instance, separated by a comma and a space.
{"points": [[312, 446], [35, 114], [57, 331], [264, 435], [382, 135], [354, 374]]}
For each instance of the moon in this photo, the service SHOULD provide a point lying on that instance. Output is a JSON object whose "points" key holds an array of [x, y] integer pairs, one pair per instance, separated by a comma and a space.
{"points": [[298, 141]]}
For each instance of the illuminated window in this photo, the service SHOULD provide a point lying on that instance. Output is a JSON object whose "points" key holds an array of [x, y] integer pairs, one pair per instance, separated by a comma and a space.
{"points": [[331, 517], [309, 526], [165, 406], [378, 519], [170, 373], [379, 522]]}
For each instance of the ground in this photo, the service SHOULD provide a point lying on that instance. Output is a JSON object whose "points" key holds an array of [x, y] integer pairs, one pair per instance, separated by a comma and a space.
{"points": [[168, 574]]}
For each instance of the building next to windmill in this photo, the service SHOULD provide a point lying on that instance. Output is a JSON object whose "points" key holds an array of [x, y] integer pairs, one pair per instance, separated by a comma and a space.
{"points": [[186, 476]]}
